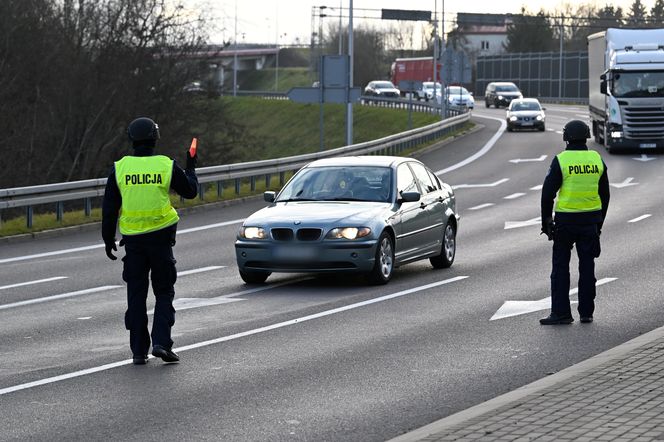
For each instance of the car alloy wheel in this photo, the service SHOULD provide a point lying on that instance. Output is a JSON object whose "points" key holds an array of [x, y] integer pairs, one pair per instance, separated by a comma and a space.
{"points": [[384, 262], [448, 249]]}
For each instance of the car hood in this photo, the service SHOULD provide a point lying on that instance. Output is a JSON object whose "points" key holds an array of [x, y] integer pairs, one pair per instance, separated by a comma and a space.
{"points": [[317, 213], [509, 94], [388, 91], [526, 113]]}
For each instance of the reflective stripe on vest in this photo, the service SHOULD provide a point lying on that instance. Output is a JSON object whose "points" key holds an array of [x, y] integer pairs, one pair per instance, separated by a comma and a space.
{"points": [[581, 171], [144, 183]]}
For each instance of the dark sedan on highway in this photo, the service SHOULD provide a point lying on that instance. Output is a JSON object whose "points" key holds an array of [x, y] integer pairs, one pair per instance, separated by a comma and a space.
{"points": [[364, 215]]}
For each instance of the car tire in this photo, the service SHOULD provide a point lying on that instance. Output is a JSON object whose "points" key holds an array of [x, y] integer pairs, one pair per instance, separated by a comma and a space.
{"points": [[448, 249], [384, 261], [509, 128], [254, 277], [542, 128], [486, 103]]}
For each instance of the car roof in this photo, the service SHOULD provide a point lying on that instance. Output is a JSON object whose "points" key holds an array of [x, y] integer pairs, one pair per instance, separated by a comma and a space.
{"points": [[502, 83], [361, 160], [532, 100]]}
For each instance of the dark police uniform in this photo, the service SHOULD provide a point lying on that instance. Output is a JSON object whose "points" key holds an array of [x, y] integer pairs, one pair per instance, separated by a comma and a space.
{"points": [[137, 193], [579, 178]]}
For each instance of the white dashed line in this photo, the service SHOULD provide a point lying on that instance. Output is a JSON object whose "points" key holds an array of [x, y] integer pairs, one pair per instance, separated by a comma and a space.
{"points": [[39, 281], [514, 196], [481, 206], [642, 217]]}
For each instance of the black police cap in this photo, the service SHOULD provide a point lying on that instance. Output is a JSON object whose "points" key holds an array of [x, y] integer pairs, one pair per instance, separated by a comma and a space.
{"points": [[576, 130], [143, 129]]}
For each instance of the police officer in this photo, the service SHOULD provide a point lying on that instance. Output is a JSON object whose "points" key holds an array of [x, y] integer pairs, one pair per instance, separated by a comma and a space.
{"points": [[137, 192], [579, 177]]}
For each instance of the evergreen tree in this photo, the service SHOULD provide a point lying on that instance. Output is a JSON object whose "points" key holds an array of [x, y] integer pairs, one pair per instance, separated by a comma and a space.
{"points": [[656, 19], [637, 15], [608, 17], [529, 33]]}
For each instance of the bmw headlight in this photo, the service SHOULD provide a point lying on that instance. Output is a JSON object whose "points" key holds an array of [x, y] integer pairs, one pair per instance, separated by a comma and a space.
{"points": [[539, 118], [513, 118], [348, 232], [253, 233], [500, 97]]}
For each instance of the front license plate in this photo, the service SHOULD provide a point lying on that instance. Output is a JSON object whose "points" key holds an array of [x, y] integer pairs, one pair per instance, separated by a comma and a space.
{"points": [[527, 124], [648, 145], [292, 253]]}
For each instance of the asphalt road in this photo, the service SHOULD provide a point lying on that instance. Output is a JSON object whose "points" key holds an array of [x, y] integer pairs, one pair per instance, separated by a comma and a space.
{"points": [[327, 359]]}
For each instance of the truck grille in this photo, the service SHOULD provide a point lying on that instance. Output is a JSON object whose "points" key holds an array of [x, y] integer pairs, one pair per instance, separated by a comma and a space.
{"points": [[643, 122]]}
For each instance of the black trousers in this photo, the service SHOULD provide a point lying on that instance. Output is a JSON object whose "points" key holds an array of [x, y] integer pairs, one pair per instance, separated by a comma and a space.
{"points": [[586, 238], [157, 262]]}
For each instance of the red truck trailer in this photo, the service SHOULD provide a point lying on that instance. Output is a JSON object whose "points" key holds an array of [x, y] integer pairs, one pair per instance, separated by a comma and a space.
{"points": [[414, 69]]}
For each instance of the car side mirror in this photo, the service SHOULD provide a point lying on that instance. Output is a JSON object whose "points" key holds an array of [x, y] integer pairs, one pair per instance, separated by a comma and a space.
{"points": [[269, 196], [602, 84], [543, 108], [409, 197]]}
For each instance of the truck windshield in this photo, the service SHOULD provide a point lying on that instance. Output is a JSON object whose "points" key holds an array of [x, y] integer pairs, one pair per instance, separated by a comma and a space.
{"points": [[638, 84]]}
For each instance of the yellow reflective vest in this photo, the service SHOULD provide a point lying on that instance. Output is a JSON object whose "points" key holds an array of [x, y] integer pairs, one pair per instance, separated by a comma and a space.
{"points": [[581, 171], [144, 183]]}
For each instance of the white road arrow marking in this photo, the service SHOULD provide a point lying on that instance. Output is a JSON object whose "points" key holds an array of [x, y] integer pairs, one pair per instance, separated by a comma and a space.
{"points": [[517, 224], [628, 182], [516, 308], [642, 217], [467, 186], [644, 158], [527, 160]]}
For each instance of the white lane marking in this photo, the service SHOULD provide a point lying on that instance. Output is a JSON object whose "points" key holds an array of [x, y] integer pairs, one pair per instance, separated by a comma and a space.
{"points": [[202, 269], [559, 132], [538, 187], [481, 206], [640, 218], [83, 318], [61, 296], [551, 130], [517, 224], [101, 246], [626, 183], [38, 281], [582, 115], [644, 158], [528, 160], [516, 308], [469, 186], [514, 196], [322, 314], [486, 148]]}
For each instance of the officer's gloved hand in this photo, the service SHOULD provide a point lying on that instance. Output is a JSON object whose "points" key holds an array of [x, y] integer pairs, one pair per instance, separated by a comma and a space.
{"points": [[547, 228], [191, 161], [110, 245]]}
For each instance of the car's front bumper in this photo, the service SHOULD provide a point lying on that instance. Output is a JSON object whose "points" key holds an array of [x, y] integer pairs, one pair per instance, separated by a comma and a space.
{"points": [[321, 257]]}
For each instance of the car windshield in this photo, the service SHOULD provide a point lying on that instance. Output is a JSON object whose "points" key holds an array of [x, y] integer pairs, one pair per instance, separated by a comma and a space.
{"points": [[383, 85], [525, 106], [456, 90], [638, 84], [507, 88], [339, 183], [429, 85]]}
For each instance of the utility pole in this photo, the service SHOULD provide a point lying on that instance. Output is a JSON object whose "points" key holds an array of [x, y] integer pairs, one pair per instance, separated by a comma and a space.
{"points": [[560, 62], [349, 106], [276, 34], [235, 55]]}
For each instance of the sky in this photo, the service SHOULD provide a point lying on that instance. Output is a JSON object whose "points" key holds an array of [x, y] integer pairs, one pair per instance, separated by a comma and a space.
{"points": [[289, 21]]}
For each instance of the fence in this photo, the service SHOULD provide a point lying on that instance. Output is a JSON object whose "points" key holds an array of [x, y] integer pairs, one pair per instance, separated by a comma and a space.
{"points": [[86, 190], [538, 74]]}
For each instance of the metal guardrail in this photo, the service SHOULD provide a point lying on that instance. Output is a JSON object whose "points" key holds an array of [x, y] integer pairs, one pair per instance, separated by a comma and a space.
{"points": [[85, 190]]}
